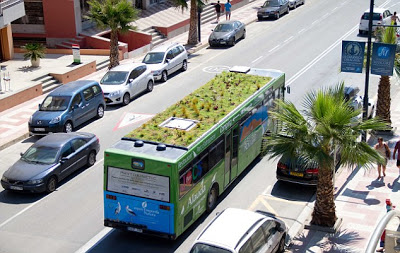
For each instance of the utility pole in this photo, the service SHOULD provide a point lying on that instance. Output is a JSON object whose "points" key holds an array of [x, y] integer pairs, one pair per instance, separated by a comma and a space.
{"points": [[365, 106]]}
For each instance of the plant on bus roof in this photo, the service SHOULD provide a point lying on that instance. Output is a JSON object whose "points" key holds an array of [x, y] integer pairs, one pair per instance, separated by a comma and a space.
{"points": [[208, 105]]}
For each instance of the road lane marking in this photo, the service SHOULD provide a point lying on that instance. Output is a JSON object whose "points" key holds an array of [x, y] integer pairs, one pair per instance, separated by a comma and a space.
{"points": [[269, 207], [273, 48], [316, 21], [301, 31], [257, 59], [288, 39], [95, 240]]}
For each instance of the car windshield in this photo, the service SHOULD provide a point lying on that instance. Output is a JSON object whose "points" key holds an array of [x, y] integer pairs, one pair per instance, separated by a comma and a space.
{"points": [[223, 28], [40, 154], [153, 58], [376, 16], [205, 248], [114, 77], [55, 103], [272, 3]]}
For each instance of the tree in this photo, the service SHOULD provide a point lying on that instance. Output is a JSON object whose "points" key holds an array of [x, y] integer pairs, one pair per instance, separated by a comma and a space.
{"points": [[193, 38], [116, 15], [329, 125], [385, 35]]}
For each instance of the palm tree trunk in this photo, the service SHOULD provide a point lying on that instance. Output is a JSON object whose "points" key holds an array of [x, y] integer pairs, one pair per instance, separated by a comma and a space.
{"points": [[114, 53], [193, 38], [324, 213], [383, 103]]}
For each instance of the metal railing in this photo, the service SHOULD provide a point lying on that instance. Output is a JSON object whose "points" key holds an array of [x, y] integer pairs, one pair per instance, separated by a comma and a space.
{"points": [[375, 237], [4, 4]]}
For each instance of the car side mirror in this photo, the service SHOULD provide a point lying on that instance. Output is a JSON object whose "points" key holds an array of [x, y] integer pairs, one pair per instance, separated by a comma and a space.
{"points": [[63, 159], [167, 60], [39, 106], [21, 154], [76, 106], [131, 80], [369, 104], [278, 228]]}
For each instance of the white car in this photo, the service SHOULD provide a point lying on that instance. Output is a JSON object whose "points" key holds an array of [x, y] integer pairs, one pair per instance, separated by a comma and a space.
{"points": [[121, 83], [357, 101], [380, 17], [165, 60], [238, 230], [294, 3]]}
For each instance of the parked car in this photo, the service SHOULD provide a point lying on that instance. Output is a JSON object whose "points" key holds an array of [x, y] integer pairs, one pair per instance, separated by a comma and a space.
{"points": [[50, 160], [381, 16], [294, 3], [273, 9], [67, 107], [121, 83], [357, 101], [227, 33], [237, 230], [165, 60]]}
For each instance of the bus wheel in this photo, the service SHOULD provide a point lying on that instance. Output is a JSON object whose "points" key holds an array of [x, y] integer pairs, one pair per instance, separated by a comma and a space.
{"points": [[212, 199]]}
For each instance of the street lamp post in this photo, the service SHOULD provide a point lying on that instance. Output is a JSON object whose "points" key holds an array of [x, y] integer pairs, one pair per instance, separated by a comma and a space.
{"points": [[365, 105], [199, 9]]}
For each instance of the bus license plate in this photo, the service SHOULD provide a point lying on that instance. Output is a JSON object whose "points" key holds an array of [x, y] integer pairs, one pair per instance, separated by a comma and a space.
{"points": [[39, 129], [138, 230], [296, 174], [18, 188]]}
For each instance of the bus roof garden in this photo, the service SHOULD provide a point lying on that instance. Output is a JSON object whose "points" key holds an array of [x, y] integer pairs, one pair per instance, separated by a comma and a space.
{"points": [[184, 122]]}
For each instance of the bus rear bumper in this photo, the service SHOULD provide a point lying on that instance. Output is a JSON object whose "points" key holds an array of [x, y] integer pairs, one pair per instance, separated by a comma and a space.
{"points": [[140, 229]]}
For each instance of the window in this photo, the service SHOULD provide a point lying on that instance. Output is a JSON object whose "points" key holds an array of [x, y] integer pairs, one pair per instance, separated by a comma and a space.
{"points": [[269, 228], [176, 51], [135, 73], [96, 90], [88, 93], [216, 152], [258, 239], [66, 150], [170, 55], [246, 248], [77, 143], [181, 49], [77, 100]]}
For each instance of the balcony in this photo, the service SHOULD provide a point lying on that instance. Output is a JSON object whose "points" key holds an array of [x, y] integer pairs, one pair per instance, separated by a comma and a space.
{"points": [[11, 10]]}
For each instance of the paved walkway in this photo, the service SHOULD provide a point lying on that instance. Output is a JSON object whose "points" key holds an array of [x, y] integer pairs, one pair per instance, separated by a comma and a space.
{"points": [[360, 198]]}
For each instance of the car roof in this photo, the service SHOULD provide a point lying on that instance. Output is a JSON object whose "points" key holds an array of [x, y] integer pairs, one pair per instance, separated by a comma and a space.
{"points": [[164, 47], [376, 10], [227, 22], [59, 139], [72, 88], [232, 223], [127, 67]]}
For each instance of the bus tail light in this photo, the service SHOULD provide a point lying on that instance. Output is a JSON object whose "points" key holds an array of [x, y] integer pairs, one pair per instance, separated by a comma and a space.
{"points": [[166, 208], [113, 197]]}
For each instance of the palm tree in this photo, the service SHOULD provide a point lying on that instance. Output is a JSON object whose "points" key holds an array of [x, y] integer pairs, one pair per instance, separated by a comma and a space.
{"points": [[329, 125], [193, 38], [116, 15], [387, 35]]}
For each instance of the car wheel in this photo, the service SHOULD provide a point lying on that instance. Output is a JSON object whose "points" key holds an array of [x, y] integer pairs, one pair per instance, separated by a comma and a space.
{"points": [[51, 184], [164, 76], [150, 86], [244, 34], [281, 247], [212, 199], [126, 99], [91, 159], [277, 16], [295, 5], [68, 127], [100, 112], [260, 18], [287, 11], [184, 65], [233, 42]]}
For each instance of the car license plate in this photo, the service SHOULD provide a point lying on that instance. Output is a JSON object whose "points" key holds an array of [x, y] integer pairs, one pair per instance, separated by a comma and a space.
{"points": [[39, 129], [296, 174], [223, 42], [18, 188], [135, 229]]}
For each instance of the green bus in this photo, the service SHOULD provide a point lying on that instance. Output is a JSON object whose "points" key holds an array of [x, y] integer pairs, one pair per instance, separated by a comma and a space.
{"points": [[162, 176]]}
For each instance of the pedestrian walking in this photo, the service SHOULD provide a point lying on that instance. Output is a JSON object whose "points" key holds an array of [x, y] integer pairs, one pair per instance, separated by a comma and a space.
{"points": [[218, 10], [383, 150], [397, 150], [228, 10], [394, 18]]}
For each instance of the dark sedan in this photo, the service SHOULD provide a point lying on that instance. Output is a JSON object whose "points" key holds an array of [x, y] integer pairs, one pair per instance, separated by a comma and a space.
{"points": [[227, 33], [273, 9], [50, 160]]}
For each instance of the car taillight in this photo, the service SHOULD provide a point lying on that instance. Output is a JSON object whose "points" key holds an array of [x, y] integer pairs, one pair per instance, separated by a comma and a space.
{"points": [[312, 171], [282, 166], [97, 139], [380, 18]]}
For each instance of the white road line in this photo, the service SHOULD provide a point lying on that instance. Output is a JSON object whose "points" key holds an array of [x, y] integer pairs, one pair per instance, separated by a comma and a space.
{"points": [[95, 240], [273, 48], [324, 16], [35, 203], [316, 21], [301, 31], [257, 59], [288, 39], [334, 9]]}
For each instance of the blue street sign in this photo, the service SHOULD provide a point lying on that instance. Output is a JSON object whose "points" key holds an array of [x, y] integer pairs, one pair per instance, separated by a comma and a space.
{"points": [[383, 56], [352, 56]]}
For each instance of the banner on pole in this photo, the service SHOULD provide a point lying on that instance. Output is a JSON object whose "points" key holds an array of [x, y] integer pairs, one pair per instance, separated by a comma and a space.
{"points": [[352, 56], [383, 56]]}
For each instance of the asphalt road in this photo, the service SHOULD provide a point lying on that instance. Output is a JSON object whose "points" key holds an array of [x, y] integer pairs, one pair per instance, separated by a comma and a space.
{"points": [[305, 44]]}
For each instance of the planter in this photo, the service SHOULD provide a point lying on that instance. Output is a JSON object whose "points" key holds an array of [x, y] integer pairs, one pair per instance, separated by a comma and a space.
{"points": [[35, 63]]}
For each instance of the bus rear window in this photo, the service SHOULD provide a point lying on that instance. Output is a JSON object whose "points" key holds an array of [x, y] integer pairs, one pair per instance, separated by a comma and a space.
{"points": [[138, 184]]}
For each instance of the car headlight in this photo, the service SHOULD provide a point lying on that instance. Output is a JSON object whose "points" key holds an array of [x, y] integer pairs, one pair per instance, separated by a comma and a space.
{"points": [[114, 93], [30, 120], [55, 120], [3, 178], [35, 181], [156, 72]]}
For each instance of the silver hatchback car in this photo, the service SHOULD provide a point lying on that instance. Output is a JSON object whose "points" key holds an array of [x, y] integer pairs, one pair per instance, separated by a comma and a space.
{"points": [[121, 83], [166, 59]]}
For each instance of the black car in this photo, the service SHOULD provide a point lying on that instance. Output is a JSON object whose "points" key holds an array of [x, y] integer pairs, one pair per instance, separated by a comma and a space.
{"points": [[227, 33], [299, 171], [50, 160], [273, 9]]}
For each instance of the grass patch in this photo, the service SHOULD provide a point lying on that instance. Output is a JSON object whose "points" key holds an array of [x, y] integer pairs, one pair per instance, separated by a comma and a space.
{"points": [[208, 104]]}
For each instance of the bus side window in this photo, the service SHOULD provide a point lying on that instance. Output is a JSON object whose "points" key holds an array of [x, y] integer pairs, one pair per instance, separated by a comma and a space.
{"points": [[185, 180], [216, 153], [200, 168]]}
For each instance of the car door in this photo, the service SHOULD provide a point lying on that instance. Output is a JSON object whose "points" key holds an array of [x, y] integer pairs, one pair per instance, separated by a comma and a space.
{"points": [[80, 153], [133, 82], [142, 78], [272, 235], [90, 107], [241, 29], [66, 161], [77, 110], [170, 62]]}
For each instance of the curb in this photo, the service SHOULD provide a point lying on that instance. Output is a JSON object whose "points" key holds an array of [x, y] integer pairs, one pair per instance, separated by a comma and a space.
{"points": [[14, 140]]}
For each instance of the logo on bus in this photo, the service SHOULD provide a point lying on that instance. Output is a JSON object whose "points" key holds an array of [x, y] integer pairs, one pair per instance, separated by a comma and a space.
{"points": [[198, 194]]}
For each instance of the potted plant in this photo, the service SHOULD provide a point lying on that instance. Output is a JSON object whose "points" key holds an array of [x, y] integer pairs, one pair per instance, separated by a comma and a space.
{"points": [[34, 51]]}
